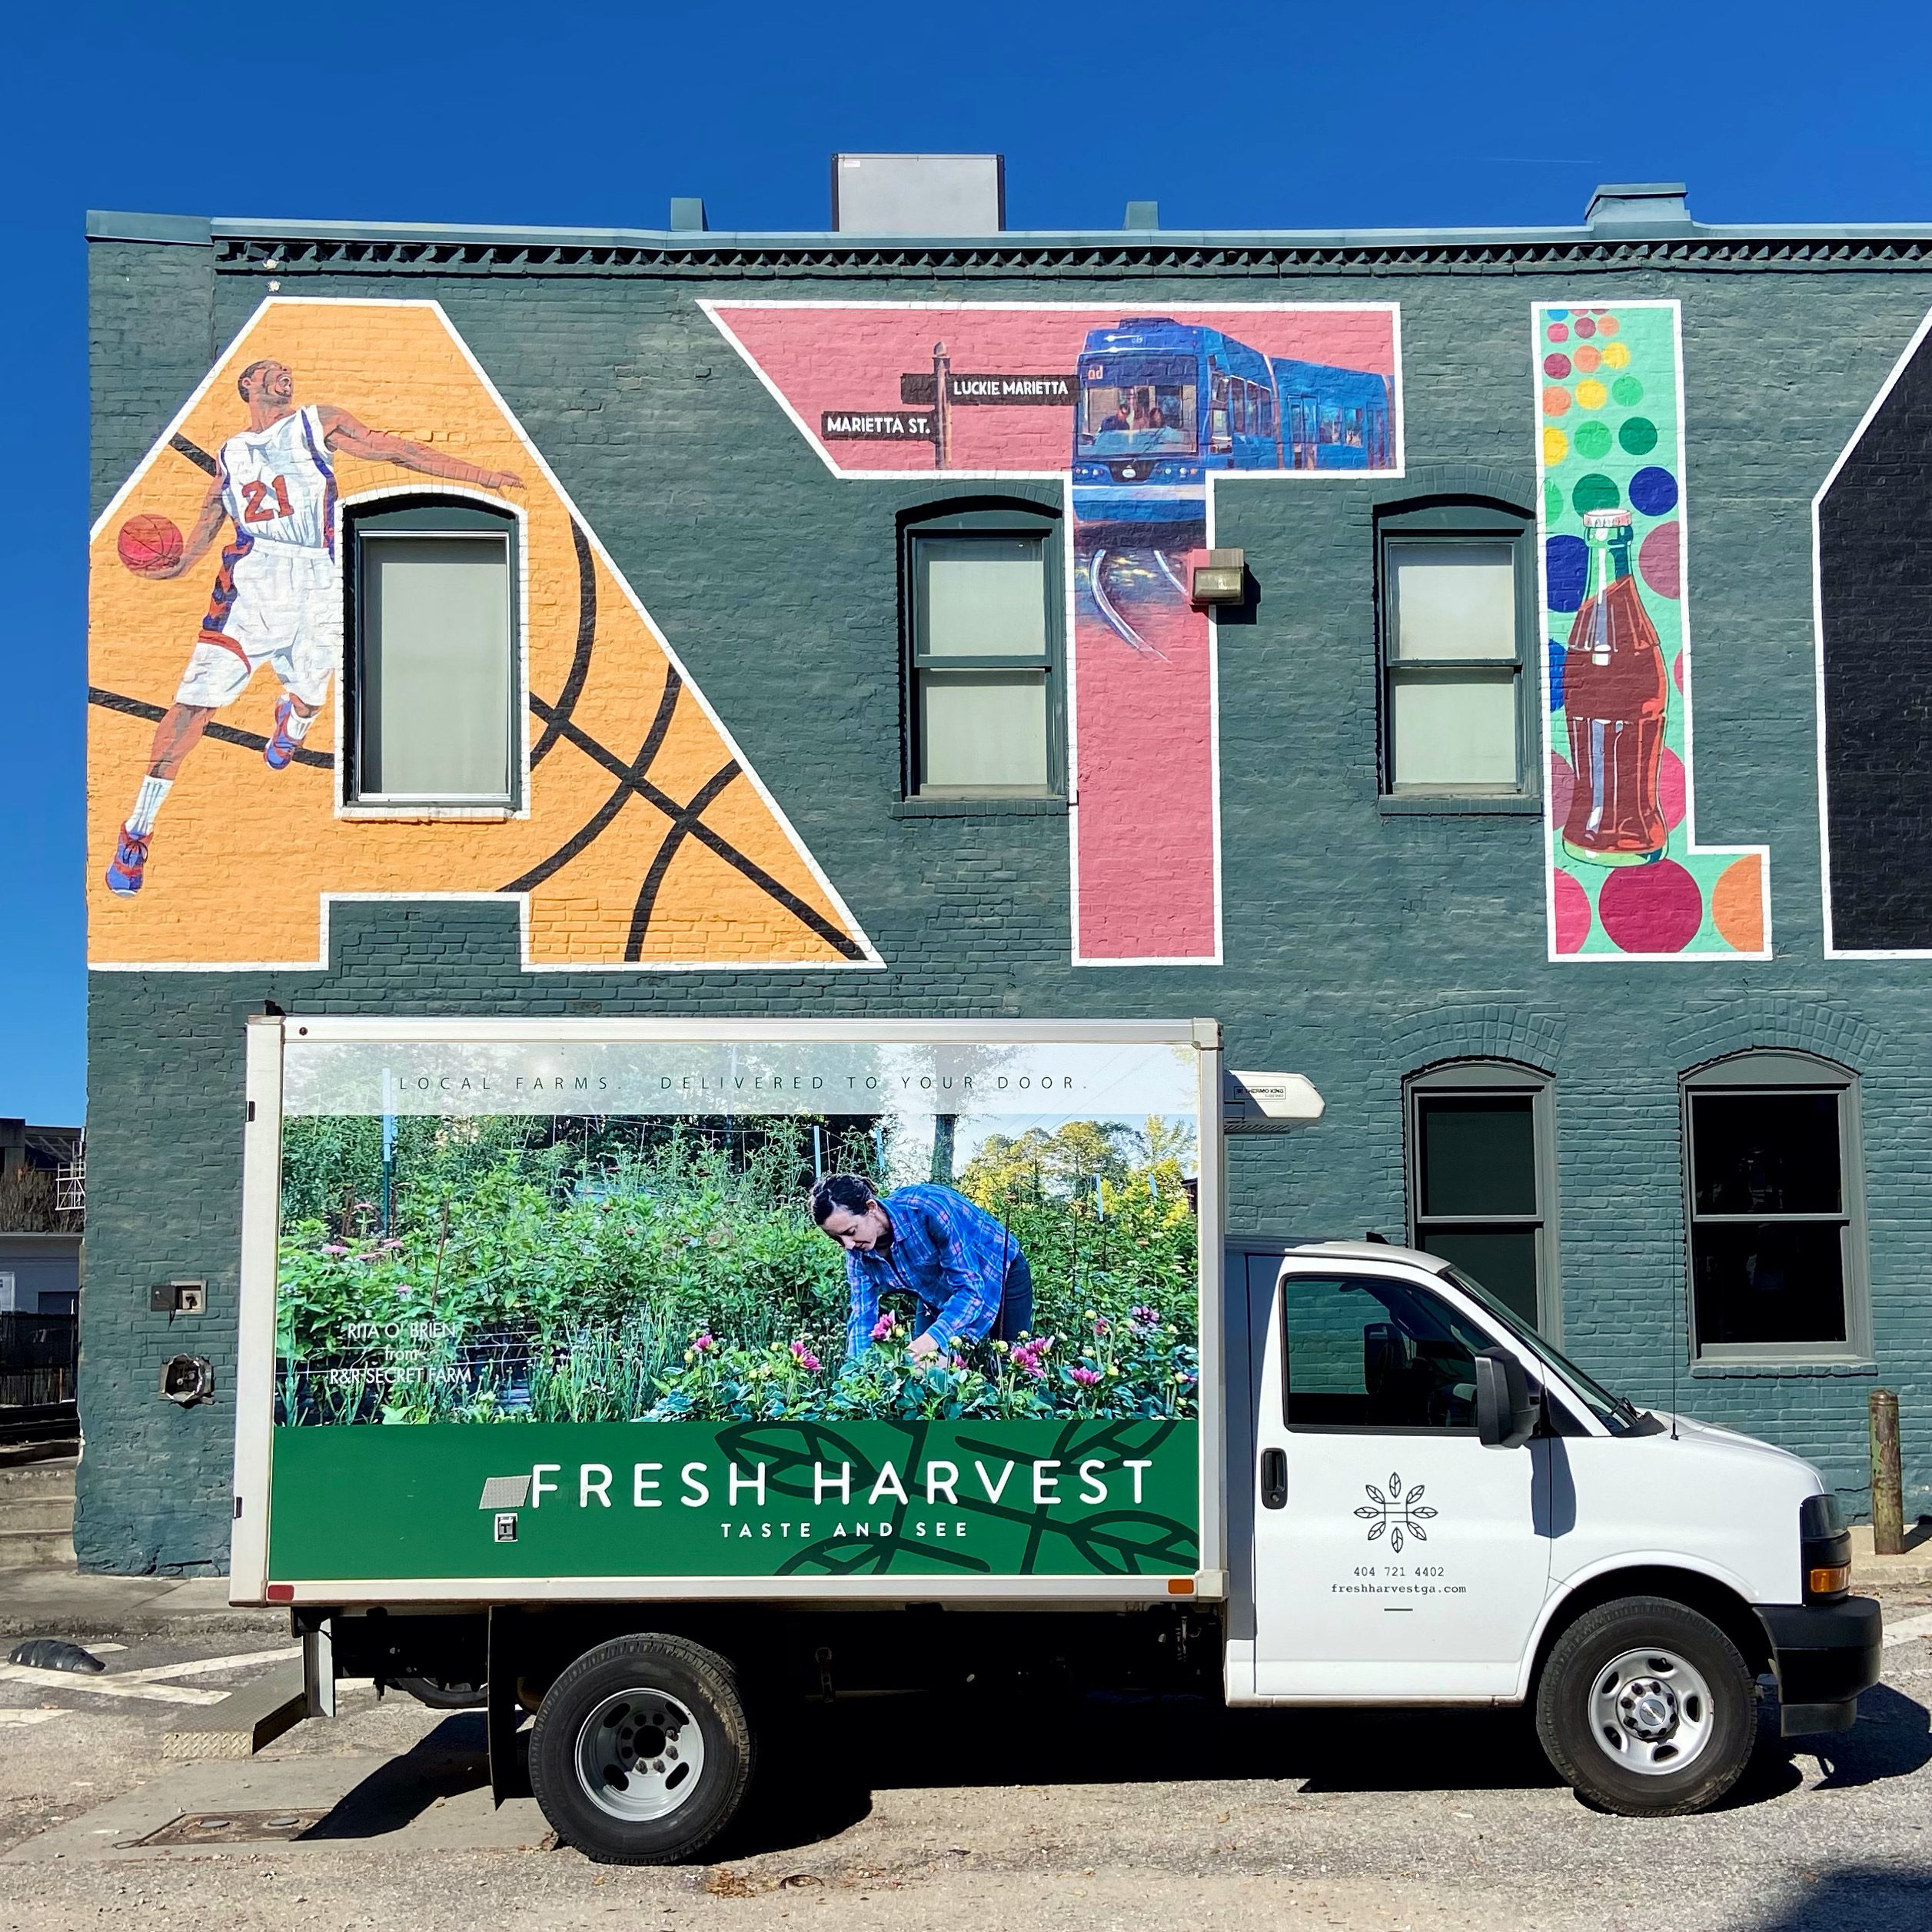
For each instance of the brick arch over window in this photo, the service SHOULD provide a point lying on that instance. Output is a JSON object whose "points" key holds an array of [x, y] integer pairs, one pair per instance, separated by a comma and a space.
{"points": [[1766, 1023], [1501, 483], [1490, 1031]]}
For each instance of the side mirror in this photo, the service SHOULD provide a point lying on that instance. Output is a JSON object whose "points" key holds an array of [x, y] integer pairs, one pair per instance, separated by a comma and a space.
{"points": [[1507, 1412]]}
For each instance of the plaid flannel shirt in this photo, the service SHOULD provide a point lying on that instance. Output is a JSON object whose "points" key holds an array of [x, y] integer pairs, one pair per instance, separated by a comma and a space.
{"points": [[952, 1256]]}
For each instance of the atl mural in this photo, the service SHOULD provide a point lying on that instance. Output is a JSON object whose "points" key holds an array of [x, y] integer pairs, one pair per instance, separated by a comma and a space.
{"points": [[1627, 878], [702, 1308], [220, 825], [1140, 417]]}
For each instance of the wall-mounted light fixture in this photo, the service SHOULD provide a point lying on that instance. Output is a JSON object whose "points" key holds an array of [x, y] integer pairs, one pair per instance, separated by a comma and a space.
{"points": [[1216, 577]]}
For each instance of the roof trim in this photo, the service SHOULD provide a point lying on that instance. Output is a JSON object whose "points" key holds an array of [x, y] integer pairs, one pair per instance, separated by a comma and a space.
{"points": [[250, 245]]}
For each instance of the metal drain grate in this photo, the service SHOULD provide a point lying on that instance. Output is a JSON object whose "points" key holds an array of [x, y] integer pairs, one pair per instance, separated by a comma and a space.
{"points": [[234, 1827]]}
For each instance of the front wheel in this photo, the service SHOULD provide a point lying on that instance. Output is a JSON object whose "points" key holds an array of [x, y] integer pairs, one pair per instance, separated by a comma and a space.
{"points": [[1646, 1708], [641, 1751]]}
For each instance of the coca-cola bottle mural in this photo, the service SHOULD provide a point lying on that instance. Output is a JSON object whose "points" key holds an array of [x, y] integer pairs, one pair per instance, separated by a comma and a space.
{"points": [[1615, 684]]}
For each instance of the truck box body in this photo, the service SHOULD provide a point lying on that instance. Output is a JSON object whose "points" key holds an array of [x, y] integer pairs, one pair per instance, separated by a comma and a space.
{"points": [[538, 1311]]}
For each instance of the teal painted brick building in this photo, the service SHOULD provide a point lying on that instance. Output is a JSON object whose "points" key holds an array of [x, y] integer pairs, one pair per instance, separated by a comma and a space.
{"points": [[1399, 939]]}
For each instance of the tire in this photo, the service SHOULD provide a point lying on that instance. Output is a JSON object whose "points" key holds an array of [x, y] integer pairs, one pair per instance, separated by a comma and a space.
{"points": [[641, 1752], [1646, 1709]]}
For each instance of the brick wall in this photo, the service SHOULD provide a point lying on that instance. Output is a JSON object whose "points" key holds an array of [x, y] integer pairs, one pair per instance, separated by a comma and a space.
{"points": [[1360, 947]]}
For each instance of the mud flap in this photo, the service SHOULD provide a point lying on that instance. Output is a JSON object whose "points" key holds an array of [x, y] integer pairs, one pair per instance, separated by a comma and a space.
{"points": [[503, 1716]]}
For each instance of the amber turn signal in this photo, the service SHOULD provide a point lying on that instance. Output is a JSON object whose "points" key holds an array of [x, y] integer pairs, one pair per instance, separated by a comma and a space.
{"points": [[1832, 1582], [1184, 1586]]}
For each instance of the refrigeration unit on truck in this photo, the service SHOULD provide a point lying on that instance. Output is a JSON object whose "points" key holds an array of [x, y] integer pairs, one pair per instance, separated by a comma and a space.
{"points": [[633, 1373]]}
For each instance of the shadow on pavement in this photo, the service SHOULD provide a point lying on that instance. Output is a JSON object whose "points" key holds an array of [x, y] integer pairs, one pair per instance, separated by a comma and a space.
{"points": [[452, 1759], [1867, 1898]]}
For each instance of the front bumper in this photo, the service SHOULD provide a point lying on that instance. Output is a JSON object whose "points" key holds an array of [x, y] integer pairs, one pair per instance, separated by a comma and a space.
{"points": [[1824, 1654]]}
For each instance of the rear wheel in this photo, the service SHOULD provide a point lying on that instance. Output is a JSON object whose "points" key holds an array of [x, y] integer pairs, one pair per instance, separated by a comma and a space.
{"points": [[641, 1751], [1646, 1708]]}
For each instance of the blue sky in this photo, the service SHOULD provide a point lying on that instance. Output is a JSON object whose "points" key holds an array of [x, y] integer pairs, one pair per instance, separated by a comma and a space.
{"points": [[1243, 116]]}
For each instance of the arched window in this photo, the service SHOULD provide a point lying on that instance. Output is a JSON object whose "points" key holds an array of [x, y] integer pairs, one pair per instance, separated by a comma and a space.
{"points": [[1775, 1209], [434, 701], [1461, 664], [1482, 1180], [982, 602]]}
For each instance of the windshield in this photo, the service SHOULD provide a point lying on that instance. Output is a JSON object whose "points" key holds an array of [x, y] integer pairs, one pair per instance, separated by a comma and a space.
{"points": [[1137, 406], [1616, 1415]]}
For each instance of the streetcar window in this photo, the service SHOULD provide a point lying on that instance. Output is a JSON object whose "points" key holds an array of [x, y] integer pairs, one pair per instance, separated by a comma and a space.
{"points": [[1137, 406]]}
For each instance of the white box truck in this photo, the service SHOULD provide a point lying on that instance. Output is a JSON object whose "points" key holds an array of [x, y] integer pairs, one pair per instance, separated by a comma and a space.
{"points": [[627, 1373]]}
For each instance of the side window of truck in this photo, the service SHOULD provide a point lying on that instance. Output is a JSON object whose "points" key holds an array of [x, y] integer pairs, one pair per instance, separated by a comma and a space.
{"points": [[1380, 1355]]}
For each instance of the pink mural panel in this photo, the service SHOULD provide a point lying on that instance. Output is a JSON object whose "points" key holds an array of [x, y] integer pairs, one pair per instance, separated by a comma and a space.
{"points": [[1141, 410]]}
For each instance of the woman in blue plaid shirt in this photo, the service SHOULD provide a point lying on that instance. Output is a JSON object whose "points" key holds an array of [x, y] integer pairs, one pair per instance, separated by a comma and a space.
{"points": [[963, 1270]]}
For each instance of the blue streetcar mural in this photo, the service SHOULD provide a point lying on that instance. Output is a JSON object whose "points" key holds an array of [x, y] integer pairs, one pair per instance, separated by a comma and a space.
{"points": [[1164, 404]]}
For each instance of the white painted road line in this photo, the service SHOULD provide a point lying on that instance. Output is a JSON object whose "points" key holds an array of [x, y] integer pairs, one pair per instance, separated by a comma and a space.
{"points": [[28, 1717], [106, 1687], [1907, 1627], [196, 1666]]}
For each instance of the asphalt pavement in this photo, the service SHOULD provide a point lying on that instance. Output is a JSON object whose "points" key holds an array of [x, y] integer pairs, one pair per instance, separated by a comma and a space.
{"points": [[991, 1812]]}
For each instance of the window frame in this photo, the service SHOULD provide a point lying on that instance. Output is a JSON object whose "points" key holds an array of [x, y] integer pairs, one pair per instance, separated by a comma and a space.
{"points": [[1776, 1071], [1477, 1078], [429, 514], [1031, 522], [1446, 525]]}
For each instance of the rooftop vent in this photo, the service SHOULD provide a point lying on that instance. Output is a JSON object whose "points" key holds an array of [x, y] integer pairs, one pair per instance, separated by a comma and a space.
{"points": [[1635, 204], [924, 194]]}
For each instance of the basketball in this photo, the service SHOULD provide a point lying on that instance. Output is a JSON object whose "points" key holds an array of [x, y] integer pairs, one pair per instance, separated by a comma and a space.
{"points": [[149, 545]]}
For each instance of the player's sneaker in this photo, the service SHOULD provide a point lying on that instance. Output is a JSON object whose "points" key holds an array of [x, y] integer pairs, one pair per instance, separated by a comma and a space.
{"points": [[130, 862], [280, 750]]}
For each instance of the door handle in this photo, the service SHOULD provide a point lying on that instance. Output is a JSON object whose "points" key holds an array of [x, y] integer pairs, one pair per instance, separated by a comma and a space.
{"points": [[1274, 1479]]}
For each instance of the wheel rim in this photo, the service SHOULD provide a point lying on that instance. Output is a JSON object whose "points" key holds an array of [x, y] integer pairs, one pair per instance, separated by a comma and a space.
{"points": [[640, 1755], [1652, 1712]]}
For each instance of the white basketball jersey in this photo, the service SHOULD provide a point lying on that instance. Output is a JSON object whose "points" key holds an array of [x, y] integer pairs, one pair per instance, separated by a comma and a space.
{"points": [[277, 484]]}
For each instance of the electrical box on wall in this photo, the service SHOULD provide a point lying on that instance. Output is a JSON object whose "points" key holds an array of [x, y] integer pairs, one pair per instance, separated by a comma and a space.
{"points": [[178, 1298]]}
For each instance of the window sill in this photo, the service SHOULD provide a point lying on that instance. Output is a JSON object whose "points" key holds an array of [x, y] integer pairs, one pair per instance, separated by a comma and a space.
{"points": [[1447, 804], [975, 808], [430, 814], [1774, 1370]]}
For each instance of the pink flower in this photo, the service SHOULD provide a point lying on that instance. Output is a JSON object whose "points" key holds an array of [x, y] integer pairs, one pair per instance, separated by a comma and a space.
{"points": [[334, 1248], [391, 1245], [881, 1328], [1100, 1325], [806, 1359], [702, 1341], [1086, 1378]]}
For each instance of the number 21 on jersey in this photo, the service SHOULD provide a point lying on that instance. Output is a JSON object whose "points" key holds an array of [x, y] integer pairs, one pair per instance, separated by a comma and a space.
{"points": [[254, 508]]}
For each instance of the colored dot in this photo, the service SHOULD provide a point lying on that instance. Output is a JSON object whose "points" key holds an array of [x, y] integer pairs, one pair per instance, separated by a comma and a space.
{"points": [[1556, 365], [1563, 785], [1737, 904], [1585, 326], [1556, 314], [1566, 564], [1616, 355], [1592, 394], [1557, 656], [1651, 909], [1556, 402], [1638, 436], [1559, 331], [1593, 440], [1607, 325], [1670, 787], [1572, 909], [1596, 491], [1586, 359], [1552, 492], [1556, 447], [1676, 670], [1628, 392], [1653, 491], [1659, 560]]}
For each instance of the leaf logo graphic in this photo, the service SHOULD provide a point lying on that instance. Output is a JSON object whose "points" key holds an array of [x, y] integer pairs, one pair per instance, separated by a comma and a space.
{"points": [[1397, 1514]]}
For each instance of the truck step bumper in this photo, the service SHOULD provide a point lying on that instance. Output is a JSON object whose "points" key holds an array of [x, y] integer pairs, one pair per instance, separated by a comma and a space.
{"points": [[1824, 1654]]}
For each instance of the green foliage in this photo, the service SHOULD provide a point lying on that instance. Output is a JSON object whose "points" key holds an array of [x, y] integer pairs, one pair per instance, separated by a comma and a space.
{"points": [[652, 1269]]}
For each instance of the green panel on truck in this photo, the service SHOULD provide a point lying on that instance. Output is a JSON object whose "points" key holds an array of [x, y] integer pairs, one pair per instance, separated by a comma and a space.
{"points": [[1077, 1496]]}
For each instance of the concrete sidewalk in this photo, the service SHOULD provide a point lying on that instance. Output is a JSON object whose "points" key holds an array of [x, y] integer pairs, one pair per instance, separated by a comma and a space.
{"points": [[59, 1602]]}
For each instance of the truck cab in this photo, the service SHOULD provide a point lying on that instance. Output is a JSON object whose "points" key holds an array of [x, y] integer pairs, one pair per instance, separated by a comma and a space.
{"points": [[1441, 1509]]}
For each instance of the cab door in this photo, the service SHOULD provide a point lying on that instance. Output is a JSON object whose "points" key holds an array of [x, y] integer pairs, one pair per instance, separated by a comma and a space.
{"points": [[1395, 1557]]}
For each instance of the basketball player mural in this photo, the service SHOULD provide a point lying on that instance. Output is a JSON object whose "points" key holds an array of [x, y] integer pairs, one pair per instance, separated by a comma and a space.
{"points": [[277, 595]]}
